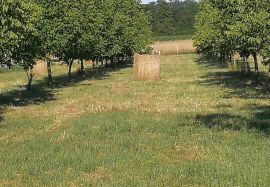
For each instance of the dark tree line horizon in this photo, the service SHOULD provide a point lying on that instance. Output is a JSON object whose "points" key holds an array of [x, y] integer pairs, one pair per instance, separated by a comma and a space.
{"points": [[171, 18]]}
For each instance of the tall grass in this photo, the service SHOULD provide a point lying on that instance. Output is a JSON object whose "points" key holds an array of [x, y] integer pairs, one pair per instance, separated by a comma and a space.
{"points": [[172, 38], [174, 47]]}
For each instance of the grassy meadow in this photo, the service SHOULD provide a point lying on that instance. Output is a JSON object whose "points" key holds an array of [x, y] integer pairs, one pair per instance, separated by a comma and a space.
{"points": [[201, 125]]}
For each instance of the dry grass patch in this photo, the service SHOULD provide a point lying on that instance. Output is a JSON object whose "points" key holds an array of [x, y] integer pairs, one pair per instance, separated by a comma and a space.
{"points": [[40, 69], [13, 182], [98, 175], [180, 154], [174, 47]]}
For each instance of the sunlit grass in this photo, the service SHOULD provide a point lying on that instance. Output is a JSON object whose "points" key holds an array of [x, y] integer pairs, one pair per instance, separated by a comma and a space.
{"points": [[200, 125], [174, 47]]}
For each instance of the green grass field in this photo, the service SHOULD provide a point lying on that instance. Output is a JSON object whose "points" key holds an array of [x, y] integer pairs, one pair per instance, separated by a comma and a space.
{"points": [[201, 125]]}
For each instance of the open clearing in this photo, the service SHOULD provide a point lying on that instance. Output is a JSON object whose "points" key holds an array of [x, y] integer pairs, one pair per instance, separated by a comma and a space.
{"points": [[174, 47], [201, 125]]}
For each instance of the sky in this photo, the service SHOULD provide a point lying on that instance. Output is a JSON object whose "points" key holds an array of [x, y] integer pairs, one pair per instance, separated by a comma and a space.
{"points": [[147, 1]]}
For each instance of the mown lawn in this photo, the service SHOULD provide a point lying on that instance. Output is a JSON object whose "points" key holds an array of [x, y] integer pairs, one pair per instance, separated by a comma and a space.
{"points": [[201, 125]]}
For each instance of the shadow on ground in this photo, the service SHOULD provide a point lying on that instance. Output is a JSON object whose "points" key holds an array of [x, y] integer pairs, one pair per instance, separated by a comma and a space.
{"points": [[42, 93], [260, 121], [237, 85], [211, 63]]}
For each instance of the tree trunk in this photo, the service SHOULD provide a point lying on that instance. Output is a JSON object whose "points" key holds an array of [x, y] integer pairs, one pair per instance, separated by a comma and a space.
{"points": [[49, 68], [122, 60], [256, 62], [102, 62], [106, 62], [9, 65], [230, 58], [70, 63], [82, 72], [222, 58], [30, 78], [247, 64], [112, 63]]}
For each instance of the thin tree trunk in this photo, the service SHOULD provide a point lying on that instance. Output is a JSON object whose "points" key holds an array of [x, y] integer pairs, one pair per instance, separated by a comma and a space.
{"points": [[9, 65], [112, 63], [247, 64], [122, 60], [230, 58], [70, 68], [106, 62], [256, 62], [222, 58], [82, 72], [30, 78], [102, 62], [49, 68]]}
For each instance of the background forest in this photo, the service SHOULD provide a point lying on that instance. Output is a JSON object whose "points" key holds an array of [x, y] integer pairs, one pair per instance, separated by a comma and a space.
{"points": [[172, 17]]}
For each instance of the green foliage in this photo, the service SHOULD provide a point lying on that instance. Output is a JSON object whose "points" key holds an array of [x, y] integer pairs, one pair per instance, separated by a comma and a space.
{"points": [[19, 35], [227, 27], [172, 17], [209, 33], [69, 30], [92, 29], [266, 55], [18, 31]]}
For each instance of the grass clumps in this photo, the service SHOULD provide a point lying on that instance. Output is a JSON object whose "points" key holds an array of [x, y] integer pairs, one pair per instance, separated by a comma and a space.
{"points": [[191, 128]]}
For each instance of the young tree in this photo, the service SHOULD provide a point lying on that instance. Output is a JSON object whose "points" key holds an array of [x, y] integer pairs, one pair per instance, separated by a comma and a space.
{"points": [[225, 27], [124, 30], [209, 37], [93, 30], [19, 36], [250, 28], [70, 26]]}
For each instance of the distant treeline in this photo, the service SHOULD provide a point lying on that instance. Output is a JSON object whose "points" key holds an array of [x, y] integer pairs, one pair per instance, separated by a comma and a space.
{"points": [[172, 18]]}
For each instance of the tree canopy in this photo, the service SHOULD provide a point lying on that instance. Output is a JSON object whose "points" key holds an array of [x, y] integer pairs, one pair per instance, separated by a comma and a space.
{"points": [[227, 27], [19, 36], [172, 17], [70, 30]]}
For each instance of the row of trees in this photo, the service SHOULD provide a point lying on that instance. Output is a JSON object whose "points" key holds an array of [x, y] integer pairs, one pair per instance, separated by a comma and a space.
{"points": [[224, 28], [82, 30], [174, 17]]}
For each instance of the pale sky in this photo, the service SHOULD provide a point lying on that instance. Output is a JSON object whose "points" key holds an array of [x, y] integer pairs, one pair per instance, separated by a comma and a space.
{"points": [[147, 1]]}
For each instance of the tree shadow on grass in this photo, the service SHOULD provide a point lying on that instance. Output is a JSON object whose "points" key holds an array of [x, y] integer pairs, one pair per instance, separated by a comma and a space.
{"points": [[238, 84], [41, 92], [260, 121], [203, 61]]}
